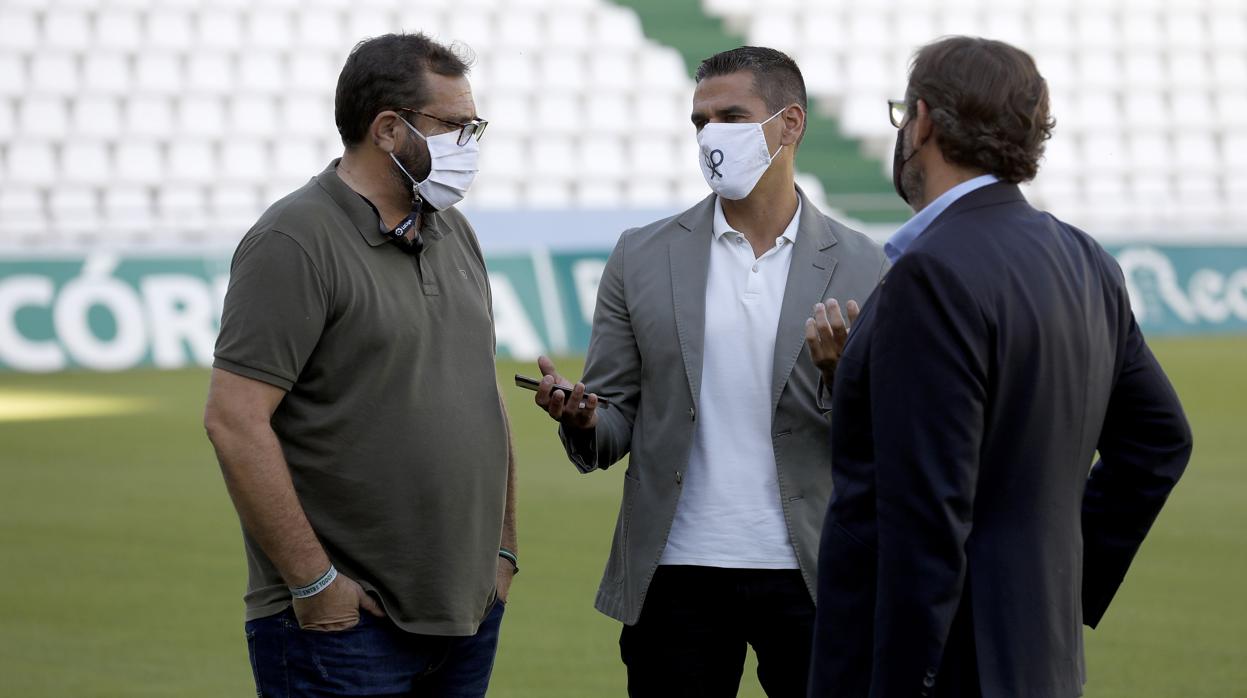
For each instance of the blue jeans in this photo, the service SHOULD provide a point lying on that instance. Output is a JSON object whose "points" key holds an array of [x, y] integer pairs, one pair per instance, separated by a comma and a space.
{"points": [[375, 658]]}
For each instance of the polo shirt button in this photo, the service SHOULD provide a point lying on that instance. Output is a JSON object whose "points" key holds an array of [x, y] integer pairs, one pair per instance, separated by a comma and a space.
{"points": [[928, 681], [755, 269], [679, 477], [692, 414]]}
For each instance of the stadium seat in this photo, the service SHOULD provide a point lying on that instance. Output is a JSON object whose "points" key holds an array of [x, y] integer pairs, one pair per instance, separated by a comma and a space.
{"points": [[75, 209], [128, 211], [96, 116], [66, 28], [120, 30], [138, 162], [149, 116], [85, 162], [22, 214], [54, 74], [30, 163], [21, 28], [45, 117]]}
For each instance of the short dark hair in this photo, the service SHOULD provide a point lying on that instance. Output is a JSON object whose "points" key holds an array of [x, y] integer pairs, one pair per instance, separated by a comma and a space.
{"points": [[776, 77], [988, 102], [386, 72]]}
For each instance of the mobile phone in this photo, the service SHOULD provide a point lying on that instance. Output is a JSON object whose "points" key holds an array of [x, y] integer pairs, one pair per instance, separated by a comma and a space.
{"points": [[531, 384]]}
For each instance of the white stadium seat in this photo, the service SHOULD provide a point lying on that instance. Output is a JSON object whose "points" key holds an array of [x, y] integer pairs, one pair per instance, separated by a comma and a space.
{"points": [[159, 73], [570, 30], [30, 163], [118, 30], [218, 29], [169, 29], [21, 28], [192, 161], [254, 115], [150, 116], [200, 115], [128, 210], [210, 72], [45, 117], [85, 162], [138, 162], [244, 161], [261, 72], [96, 116], [268, 29], [54, 74], [603, 158], [107, 73], [65, 29], [616, 27], [8, 125], [22, 213], [12, 75]]}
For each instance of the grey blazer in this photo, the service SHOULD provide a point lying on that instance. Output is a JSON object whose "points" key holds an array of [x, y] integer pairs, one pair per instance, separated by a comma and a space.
{"points": [[645, 355]]}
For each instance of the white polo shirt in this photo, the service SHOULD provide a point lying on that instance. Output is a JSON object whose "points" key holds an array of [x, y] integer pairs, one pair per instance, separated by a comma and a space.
{"points": [[729, 514]]}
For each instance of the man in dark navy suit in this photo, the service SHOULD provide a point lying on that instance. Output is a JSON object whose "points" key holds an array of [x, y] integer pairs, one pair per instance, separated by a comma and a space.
{"points": [[970, 537]]}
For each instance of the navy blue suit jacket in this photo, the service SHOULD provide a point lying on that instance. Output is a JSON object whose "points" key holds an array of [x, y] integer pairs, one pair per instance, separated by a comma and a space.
{"points": [[970, 537]]}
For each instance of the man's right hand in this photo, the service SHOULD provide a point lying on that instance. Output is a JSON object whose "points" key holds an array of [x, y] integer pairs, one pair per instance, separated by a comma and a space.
{"points": [[577, 411], [335, 608]]}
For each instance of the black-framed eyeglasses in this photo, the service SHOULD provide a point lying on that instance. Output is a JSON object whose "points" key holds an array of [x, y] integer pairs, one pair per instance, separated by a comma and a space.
{"points": [[471, 129], [897, 111]]}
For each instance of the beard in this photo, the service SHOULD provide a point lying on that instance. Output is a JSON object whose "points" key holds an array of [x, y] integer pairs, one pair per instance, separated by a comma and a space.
{"points": [[913, 182], [416, 161]]}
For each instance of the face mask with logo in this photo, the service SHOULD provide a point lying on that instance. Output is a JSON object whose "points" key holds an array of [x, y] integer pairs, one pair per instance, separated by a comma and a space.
{"points": [[734, 157], [451, 171]]}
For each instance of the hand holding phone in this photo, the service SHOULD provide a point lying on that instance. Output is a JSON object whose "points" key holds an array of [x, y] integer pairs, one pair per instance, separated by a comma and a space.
{"points": [[572, 406], [533, 384]]}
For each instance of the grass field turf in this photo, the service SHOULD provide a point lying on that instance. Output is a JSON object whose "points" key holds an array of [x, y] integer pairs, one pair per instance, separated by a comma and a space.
{"points": [[121, 567]]}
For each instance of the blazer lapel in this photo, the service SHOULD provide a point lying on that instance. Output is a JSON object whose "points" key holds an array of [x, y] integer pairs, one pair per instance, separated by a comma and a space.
{"points": [[690, 268], [808, 278]]}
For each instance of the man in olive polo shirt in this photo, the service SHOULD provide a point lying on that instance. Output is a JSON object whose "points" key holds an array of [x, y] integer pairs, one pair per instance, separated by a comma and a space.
{"points": [[354, 406]]}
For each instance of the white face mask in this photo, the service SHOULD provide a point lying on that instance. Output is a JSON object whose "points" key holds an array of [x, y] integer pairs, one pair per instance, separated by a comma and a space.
{"points": [[734, 157], [452, 168]]}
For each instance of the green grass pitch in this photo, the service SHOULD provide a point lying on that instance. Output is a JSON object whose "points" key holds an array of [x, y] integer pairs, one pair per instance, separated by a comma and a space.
{"points": [[121, 568]]}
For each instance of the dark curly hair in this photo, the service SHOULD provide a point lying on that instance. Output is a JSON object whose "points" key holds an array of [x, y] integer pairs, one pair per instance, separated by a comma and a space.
{"points": [[988, 102], [388, 71]]}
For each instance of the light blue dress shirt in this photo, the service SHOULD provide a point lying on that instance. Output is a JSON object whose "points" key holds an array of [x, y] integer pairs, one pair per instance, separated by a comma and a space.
{"points": [[906, 234]]}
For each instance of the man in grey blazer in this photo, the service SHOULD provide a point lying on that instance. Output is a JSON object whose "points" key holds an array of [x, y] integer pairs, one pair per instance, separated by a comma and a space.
{"points": [[697, 342]]}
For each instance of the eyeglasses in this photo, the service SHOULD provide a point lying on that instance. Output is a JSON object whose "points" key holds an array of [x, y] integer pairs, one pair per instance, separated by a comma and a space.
{"points": [[897, 111], [474, 128]]}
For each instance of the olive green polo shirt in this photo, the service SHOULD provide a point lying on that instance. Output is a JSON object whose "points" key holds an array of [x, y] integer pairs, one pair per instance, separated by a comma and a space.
{"points": [[391, 424]]}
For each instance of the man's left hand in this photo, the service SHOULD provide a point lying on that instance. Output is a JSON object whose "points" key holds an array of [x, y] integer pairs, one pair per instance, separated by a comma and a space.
{"points": [[505, 574], [826, 334]]}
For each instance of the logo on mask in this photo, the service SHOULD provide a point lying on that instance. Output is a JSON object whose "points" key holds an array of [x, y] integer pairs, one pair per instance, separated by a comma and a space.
{"points": [[714, 158]]}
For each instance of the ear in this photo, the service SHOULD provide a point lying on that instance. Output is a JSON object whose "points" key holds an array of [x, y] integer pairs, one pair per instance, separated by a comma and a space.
{"points": [[386, 129], [793, 120], [924, 128]]}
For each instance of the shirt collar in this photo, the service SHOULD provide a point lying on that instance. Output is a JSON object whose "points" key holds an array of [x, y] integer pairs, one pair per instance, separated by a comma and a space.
{"points": [[722, 228], [907, 233], [363, 214]]}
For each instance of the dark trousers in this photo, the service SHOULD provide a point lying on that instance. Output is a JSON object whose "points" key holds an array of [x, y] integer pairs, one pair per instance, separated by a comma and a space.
{"points": [[375, 658], [690, 639]]}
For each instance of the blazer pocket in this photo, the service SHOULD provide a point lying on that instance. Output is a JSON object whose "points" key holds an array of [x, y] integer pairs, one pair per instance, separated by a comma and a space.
{"points": [[617, 565]]}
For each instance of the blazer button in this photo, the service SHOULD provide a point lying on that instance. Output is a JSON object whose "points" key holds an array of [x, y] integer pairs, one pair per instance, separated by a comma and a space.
{"points": [[679, 477], [692, 414]]}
